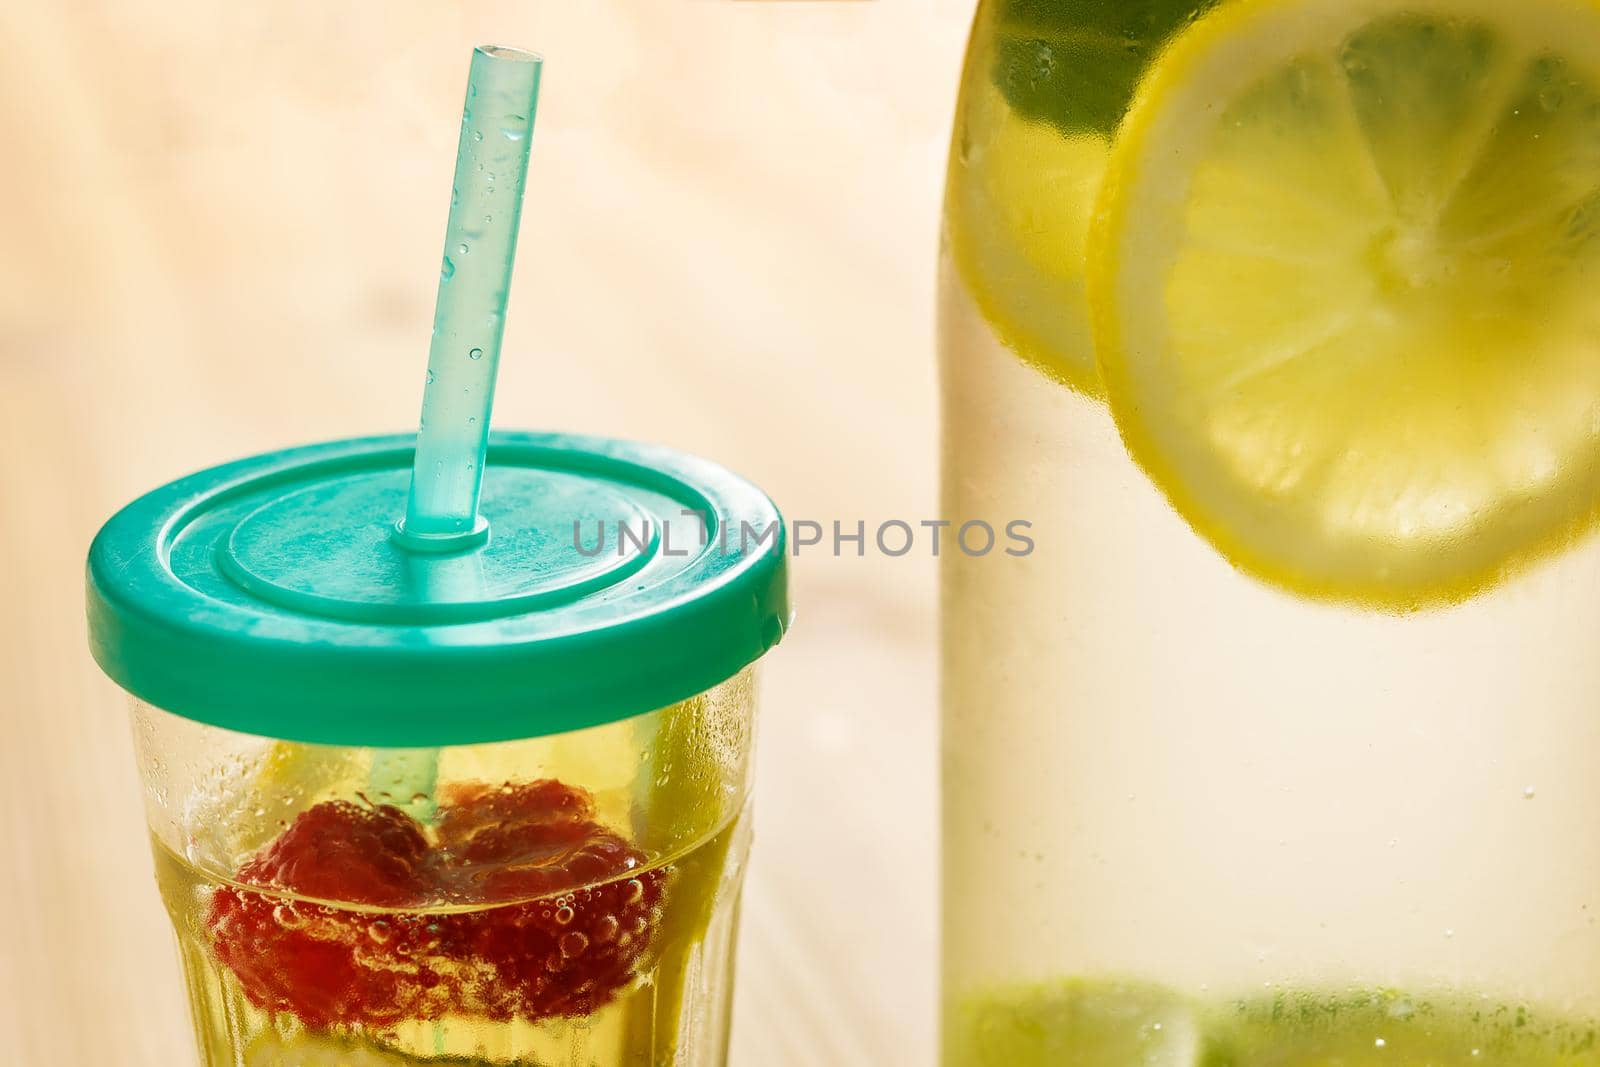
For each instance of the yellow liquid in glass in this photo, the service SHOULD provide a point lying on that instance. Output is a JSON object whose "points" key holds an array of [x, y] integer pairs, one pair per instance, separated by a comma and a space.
{"points": [[673, 1011]]}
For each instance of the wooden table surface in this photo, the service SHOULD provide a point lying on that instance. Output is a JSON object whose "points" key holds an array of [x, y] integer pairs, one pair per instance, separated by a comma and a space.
{"points": [[221, 225]]}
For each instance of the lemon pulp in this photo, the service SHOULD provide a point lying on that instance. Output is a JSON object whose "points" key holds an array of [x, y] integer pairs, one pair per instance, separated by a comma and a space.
{"points": [[1340, 284]]}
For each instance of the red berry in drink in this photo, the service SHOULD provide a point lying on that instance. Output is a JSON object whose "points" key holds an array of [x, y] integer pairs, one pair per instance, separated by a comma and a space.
{"points": [[571, 941], [349, 853], [327, 964], [570, 911]]}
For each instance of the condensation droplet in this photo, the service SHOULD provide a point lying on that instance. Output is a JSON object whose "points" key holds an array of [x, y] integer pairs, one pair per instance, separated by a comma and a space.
{"points": [[477, 135], [476, 353], [448, 271], [461, 249], [430, 377]]}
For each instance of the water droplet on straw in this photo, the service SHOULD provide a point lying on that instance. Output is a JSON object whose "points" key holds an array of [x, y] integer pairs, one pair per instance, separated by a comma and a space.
{"points": [[476, 353], [447, 271], [477, 135], [430, 377], [461, 249], [511, 135]]}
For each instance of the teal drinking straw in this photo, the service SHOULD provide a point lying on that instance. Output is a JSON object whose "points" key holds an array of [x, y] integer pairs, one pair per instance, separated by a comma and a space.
{"points": [[464, 355], [469, 318]]}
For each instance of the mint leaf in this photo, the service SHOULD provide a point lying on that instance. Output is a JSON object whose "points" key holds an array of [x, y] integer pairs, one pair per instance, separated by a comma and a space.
{"points": [[1076, 63]]}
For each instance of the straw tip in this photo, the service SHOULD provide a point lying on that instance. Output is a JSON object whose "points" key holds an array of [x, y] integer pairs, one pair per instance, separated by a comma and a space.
{"points": [[513, 55]]}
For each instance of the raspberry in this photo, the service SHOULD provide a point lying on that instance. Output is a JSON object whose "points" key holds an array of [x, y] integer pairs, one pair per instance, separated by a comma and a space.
{"points": [[523, 841], [514, 823], [327, 965], [572, 950], [345, 852], [324, 964], [565, 940]]}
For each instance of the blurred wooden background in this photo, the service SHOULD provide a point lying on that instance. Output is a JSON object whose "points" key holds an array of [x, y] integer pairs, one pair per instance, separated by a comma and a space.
{"points": [[221, 227]]}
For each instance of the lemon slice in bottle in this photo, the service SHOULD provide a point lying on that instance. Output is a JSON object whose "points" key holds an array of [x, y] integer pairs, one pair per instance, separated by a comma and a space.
{"points": [[1342, 278], [1021, 195]]}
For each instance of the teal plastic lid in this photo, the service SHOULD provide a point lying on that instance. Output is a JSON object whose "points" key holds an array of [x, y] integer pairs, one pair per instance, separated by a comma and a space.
{"points": [[271, 597]]}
